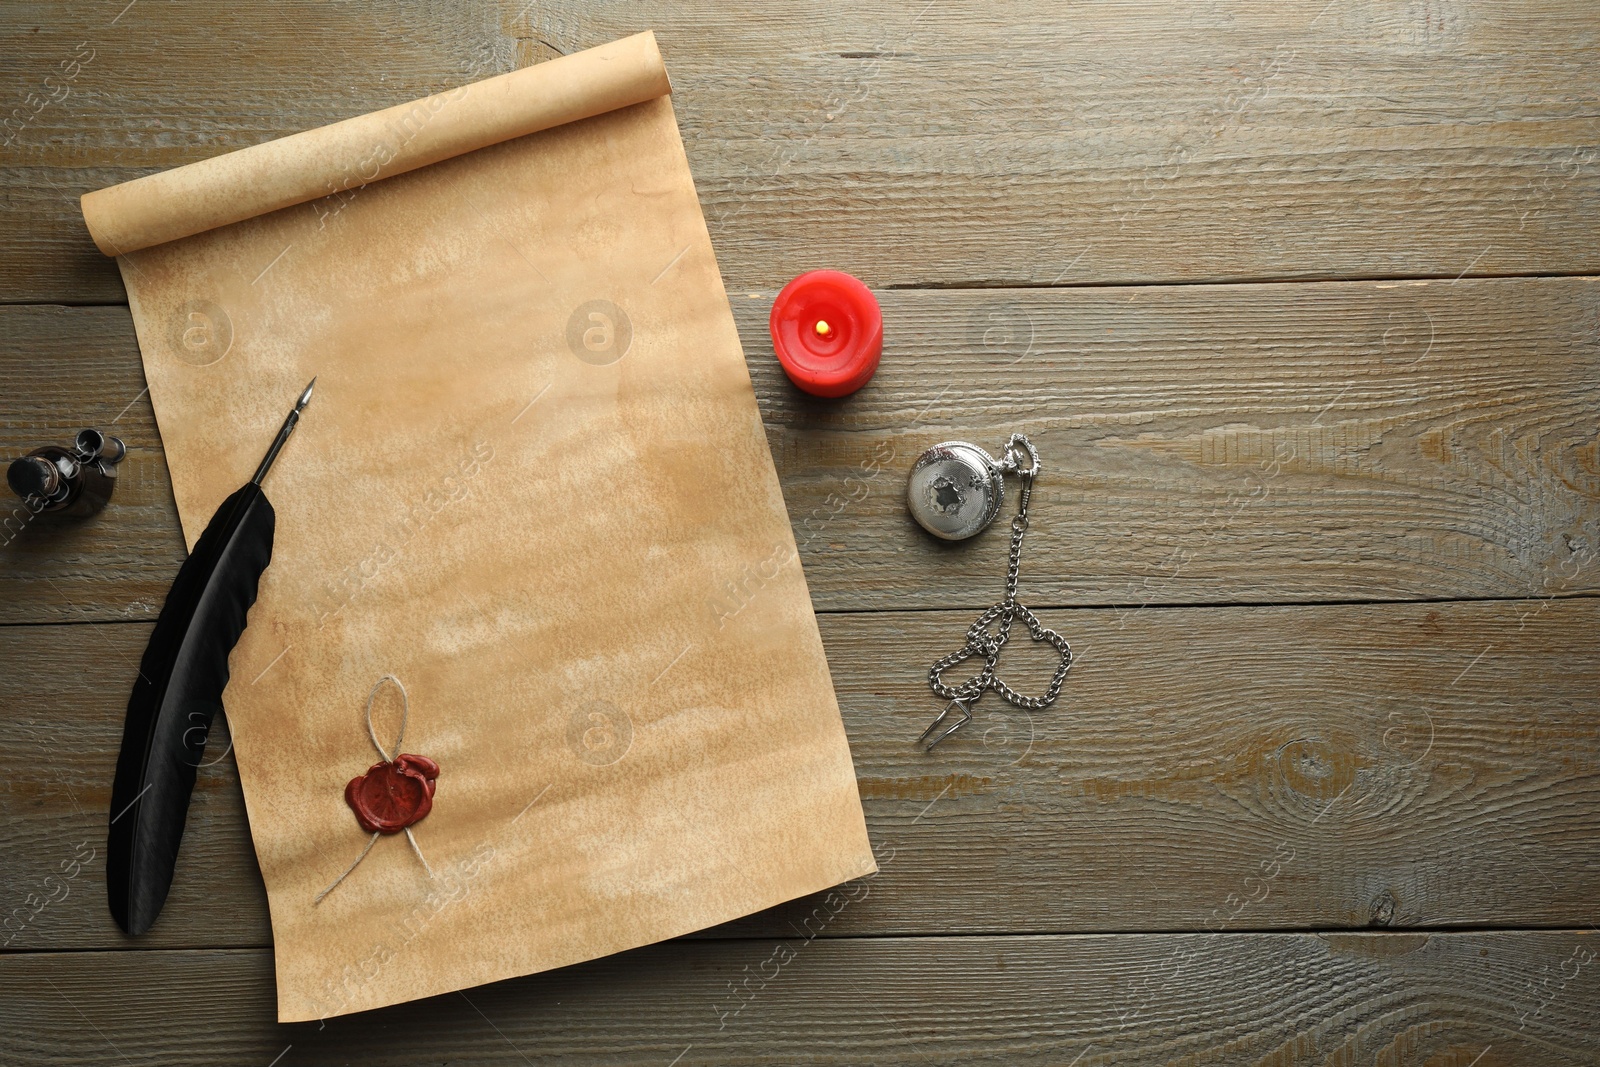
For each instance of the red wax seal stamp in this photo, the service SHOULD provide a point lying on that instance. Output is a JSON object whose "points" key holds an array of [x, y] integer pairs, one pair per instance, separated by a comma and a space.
{"points": [[393, 794], [827, 330]]}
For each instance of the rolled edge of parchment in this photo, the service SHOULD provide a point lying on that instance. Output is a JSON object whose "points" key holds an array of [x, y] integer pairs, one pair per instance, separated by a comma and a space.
{"points": [[346, 155]]}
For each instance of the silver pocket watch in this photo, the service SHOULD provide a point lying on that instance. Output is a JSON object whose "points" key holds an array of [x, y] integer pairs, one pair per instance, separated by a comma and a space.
{"points": [[955, 491]]}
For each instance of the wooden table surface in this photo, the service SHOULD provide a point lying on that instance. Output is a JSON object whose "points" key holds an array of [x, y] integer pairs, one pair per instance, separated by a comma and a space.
{"points": [[1298, 299]]}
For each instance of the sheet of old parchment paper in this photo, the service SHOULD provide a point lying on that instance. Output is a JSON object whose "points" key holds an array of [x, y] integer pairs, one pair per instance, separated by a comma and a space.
{"points": [[533, 484]]}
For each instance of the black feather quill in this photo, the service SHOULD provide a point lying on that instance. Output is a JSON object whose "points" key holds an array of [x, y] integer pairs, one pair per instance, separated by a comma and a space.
{"points": [[178, 693]]}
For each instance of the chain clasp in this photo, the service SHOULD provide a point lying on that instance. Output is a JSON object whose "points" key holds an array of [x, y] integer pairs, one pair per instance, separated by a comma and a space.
{"points": [[966, 717], [1016, 448]]}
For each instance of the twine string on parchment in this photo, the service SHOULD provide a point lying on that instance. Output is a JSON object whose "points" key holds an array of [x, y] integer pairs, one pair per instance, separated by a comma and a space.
{"points": [[399, 738]]}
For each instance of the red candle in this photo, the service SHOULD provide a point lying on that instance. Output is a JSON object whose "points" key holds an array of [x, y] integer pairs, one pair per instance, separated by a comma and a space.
{"points": [[827, 330]]}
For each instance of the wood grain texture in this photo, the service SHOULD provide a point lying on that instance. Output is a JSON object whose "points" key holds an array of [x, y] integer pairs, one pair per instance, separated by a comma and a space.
{"points": [[1215, 769], [909, 144], [64, 369], [1203, 444], [1484, 999]]}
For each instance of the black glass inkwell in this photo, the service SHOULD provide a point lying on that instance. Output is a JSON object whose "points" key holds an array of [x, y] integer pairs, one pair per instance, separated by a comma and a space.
{"points": [[68, 481]]}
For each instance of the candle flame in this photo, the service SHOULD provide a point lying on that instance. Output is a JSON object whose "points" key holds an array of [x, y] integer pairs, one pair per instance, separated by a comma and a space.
{"points": [[823, 329]]}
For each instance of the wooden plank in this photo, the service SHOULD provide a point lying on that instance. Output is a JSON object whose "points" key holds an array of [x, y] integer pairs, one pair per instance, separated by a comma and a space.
{"points": [[1203, 444], [65, 369], [1241, 140], [1217, 768], [1497, 999]]}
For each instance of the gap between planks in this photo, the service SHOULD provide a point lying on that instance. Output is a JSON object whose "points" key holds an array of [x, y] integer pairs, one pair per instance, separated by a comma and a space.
{"points": [[945, 935], [1041, 606], [1002, 284]]}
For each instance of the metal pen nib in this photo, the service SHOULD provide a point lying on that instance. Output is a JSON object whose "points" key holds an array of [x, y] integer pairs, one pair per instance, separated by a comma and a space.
{"points": [[283, 433]]}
